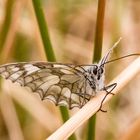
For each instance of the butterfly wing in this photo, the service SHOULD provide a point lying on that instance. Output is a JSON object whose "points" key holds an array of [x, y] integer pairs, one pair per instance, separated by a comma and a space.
{"points": [[62, 84]]}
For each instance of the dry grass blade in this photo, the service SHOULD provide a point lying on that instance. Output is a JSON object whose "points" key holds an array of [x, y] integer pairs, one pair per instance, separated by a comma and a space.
{"points": [[92, 106]]}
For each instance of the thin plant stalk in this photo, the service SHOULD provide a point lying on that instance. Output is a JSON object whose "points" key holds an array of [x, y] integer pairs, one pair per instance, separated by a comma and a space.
{"points": [[99, 31], [11, 34], [48, 46], [97, 57], [43, 30], [7, 22]]}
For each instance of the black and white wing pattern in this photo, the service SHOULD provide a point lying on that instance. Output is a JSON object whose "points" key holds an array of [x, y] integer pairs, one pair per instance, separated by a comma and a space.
{"points": [[60, 83]]}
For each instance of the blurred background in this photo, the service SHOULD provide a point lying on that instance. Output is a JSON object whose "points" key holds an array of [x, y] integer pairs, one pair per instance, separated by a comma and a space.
{"points": [[71, 23]]}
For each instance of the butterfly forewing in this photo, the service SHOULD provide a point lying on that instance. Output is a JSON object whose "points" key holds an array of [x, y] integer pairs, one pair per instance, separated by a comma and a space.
{"points": [[62, 84]]}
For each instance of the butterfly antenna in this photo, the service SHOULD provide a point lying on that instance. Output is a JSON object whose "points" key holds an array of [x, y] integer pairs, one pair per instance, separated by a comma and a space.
{"points": [[122, 57], [105, 58]]}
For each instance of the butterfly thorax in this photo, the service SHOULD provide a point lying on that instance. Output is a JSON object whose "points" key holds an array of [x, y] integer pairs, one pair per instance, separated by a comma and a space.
{"points": [[95, 77]]}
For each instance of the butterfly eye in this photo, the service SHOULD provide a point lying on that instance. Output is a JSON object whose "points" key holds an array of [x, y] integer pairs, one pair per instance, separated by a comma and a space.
{"points": [[95, 71]]}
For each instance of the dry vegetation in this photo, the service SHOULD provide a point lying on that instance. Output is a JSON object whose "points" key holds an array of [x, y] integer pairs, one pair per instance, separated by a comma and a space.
{"points": [[23, 116]]}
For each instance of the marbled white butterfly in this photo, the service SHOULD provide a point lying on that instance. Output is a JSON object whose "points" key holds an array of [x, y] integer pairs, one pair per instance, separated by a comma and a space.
{"points": [[64, 84]]}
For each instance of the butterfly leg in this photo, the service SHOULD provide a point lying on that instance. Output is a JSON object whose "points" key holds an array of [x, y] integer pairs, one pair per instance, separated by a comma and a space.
{"points": [[111, 87]]}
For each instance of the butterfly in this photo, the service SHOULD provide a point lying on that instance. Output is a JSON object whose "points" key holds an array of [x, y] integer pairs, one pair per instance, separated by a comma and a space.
{"points": [[64, 84]]}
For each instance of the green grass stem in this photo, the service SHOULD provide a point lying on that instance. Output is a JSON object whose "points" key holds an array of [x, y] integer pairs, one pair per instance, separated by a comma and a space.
{"points": [[48, 47], [43, 30]]}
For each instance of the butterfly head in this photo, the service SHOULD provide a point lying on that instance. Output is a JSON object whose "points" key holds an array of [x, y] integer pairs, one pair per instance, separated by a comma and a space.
{"points": [[96, 77], [96, 72]]}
